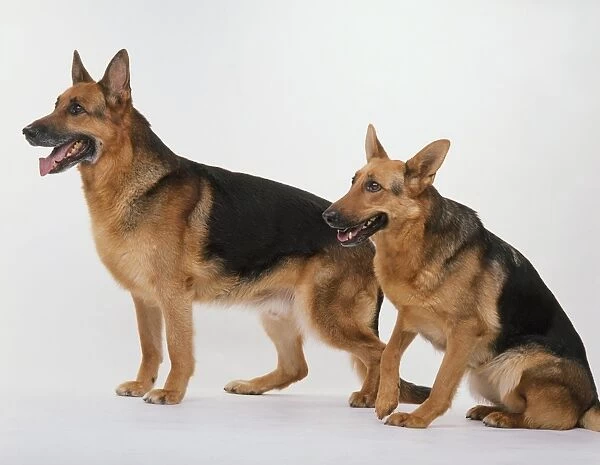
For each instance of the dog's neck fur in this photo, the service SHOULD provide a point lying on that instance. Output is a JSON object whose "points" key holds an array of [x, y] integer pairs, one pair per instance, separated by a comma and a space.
{"points": [[399, 246], [130, 164], [434, 236]]}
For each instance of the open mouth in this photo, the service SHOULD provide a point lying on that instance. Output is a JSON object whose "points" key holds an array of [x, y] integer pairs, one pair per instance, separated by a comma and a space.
{"points": [[356, 234], [67, 155]]}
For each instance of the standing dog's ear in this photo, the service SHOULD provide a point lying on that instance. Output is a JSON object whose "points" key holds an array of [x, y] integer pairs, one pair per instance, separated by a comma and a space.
{"points": [[115, 81], [373, 147], [421, 169], [78, 71]]}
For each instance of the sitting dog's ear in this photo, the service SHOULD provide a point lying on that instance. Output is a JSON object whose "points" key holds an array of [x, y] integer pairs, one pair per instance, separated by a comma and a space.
{"points": [[420, 170], [78, 71], [115, 81], [373, 147]]}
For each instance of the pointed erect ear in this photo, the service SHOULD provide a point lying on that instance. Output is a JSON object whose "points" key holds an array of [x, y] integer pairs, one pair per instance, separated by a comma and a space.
{"points": [[78, 71], [116, 78], [421, 169], [373, 147]]}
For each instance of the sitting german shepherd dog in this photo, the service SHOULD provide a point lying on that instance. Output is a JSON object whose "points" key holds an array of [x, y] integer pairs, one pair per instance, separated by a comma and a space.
{"points": [[172, 231], [470, 294]]}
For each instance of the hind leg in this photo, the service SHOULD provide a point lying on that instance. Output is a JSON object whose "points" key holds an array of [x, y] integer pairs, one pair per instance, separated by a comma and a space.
{"points": [[552, 393], [479, 412], [482, 388], [366, 348], [547, 406], [369, 357], [368, 392], [344, 321], [291, 364]]}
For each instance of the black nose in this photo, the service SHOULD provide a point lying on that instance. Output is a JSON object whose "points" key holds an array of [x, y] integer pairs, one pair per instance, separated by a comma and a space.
{"points": [[331, 217], [30, 132]]}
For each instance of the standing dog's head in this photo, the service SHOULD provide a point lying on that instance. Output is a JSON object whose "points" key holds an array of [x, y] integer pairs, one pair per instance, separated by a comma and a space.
{"points": [[384, 192], [87, 117]]}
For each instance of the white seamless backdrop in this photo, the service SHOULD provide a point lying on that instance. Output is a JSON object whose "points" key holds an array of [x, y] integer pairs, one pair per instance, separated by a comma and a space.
{"points": [[285, 90]]}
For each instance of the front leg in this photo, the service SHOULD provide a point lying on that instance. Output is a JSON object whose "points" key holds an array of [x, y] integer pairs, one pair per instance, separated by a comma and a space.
{"points": [[177, 312], [389, 391], [150, 322], [459, 347]]}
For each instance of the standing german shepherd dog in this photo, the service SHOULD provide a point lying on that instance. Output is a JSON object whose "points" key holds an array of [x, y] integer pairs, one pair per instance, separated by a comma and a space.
{"points": [[172, 231], [467, 292]]}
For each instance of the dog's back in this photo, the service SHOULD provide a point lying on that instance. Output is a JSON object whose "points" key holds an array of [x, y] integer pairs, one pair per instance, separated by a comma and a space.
{"points": [[257, 223], [535, 339], [528, 312]]}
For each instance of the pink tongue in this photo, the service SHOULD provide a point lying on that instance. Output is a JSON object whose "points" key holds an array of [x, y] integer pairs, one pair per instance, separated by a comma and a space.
{"points": [[47, 164], [344, 236]]}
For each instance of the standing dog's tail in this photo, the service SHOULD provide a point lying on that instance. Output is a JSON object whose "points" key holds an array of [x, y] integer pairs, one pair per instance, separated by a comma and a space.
{"points": [[591, 418], [375, 322], [412, 393]]}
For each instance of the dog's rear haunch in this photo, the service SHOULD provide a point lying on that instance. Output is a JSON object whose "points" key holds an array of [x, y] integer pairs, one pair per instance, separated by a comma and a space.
{"points": [[470, 294], [172, 232]]}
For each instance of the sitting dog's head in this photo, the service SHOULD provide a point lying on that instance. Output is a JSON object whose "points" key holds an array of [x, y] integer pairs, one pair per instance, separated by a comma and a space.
{"points": [[384, 192]]}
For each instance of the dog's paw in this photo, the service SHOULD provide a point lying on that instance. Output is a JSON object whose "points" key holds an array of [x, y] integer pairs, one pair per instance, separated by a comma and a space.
{"points": [[500, 420], [239, 386], [132, 389], [479, 412], [163, 397], [407, 420], [384, 405], [360, 399]]}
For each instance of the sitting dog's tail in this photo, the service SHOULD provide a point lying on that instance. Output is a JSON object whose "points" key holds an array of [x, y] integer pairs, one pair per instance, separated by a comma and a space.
{"points": [[591, 418]]}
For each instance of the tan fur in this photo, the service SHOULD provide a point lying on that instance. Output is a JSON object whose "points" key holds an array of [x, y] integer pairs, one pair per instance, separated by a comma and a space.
{"points": [[155, 251], [451, 300], [150, 264], [591, 419], [285, 333]]}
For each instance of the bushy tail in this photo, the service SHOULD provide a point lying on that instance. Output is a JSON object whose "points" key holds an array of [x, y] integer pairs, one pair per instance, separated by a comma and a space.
{"points": [[591, 418], [413, 394], [375, 322]]}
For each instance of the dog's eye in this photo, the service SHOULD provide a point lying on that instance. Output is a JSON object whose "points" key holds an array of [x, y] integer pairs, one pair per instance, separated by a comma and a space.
{"points": [[76, 109], [372, 186], [353, 179]]}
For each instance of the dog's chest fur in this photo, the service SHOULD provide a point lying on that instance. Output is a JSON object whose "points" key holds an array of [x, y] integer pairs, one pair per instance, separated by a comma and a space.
{"points": [[433, 302], [137, 255], [132, 258]]}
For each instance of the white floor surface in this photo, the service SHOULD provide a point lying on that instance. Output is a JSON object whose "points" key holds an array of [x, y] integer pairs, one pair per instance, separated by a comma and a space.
{"points": [[281, 428]]}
